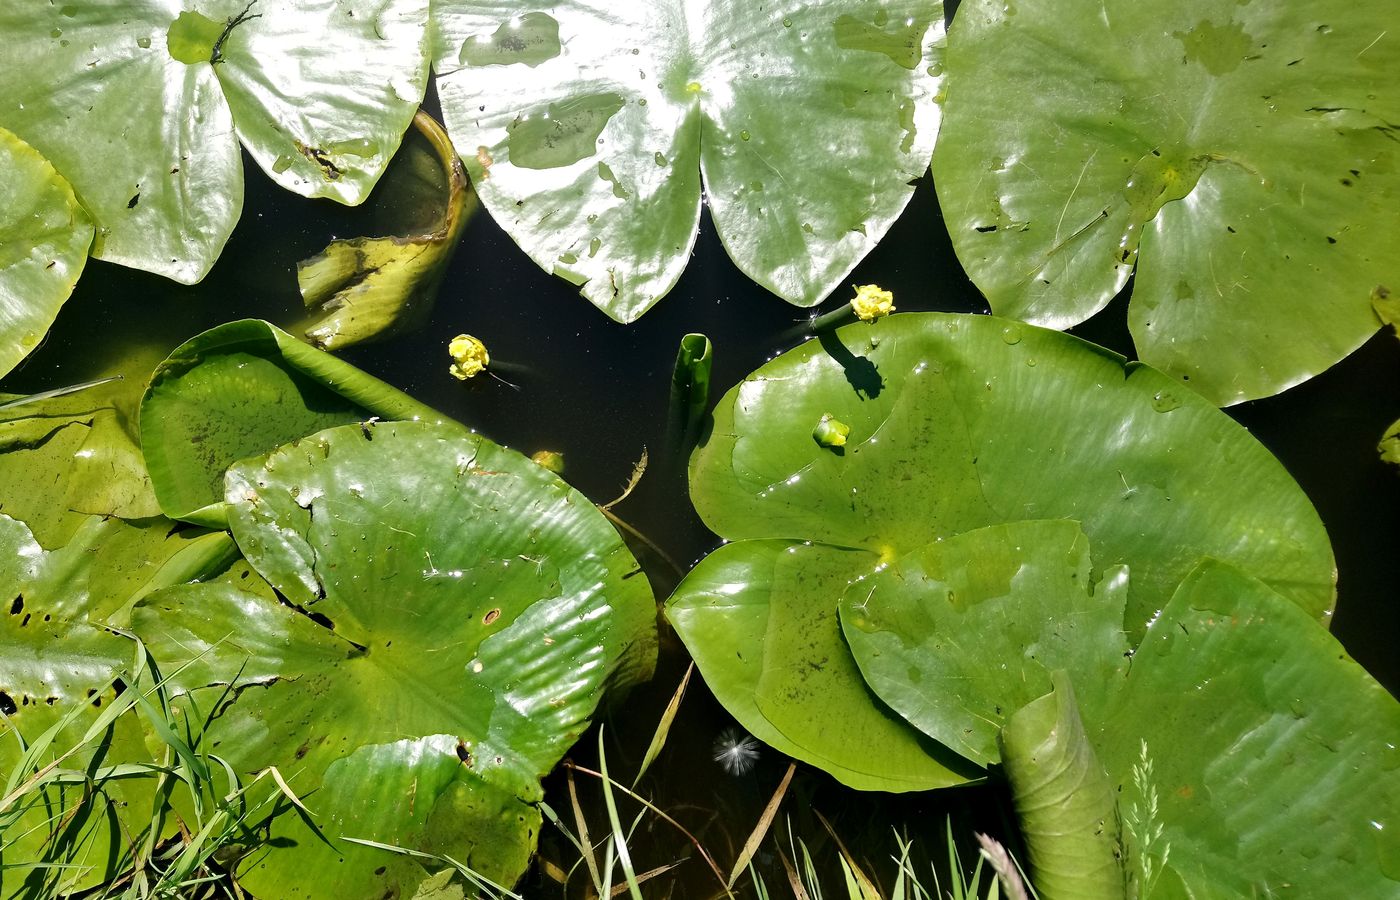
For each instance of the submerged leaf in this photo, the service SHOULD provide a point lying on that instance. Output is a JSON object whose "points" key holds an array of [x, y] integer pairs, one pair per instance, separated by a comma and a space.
{"points": [[371, 288], [586, 130], [1242, 157], [457, 614], [144, 110], [44, 240], [242, 389]]}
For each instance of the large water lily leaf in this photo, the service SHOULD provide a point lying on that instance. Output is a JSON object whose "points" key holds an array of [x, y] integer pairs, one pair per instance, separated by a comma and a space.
{"points": [[959, 635], [960, 422], [239, 390], [143, 105], [477, 608], [1243, 157], [44, 240], [759, 618], [1273, 754], [963, 421], [586, 130]]}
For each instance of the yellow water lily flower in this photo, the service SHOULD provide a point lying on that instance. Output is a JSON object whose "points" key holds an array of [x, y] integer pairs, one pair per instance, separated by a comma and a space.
{"points": [[871, 302], [469, 357]]}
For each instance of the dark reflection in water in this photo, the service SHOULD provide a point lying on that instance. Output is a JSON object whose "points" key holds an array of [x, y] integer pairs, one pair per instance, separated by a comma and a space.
{"points": [[597, 392]]}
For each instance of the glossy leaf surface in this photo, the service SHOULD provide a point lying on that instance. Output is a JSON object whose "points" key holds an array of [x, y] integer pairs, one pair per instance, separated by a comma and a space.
{"points": [[1274, 754], [143, 106], [759, 618], [586, 129], [957, 423], [963, 421], [1241, 157], [239, 390], [44, 240], [959, 635], [470, 609]]}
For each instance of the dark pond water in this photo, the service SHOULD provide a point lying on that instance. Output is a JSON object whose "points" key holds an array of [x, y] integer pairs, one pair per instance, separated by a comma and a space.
{"points": [[597, 391]]}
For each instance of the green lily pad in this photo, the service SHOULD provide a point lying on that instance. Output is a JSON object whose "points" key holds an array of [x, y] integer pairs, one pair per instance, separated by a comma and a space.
{"points": [[1243, 157], [1274, 755], [457, 614], [959, 635], [957, 423], [586, 131], [143, 105], [759, 618], [1241, 747], [239, 390], [44, 240]]}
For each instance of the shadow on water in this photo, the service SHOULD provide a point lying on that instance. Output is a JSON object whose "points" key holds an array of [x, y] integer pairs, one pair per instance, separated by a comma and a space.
{"points": [[597, 392]]}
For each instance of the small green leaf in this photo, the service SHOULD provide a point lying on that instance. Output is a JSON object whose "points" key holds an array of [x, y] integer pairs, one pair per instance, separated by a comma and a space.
{"points": [[1389, 447], [690, 390]]}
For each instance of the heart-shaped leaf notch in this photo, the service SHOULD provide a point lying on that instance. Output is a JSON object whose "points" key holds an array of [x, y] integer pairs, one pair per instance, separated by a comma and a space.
{"points": [[586, 129]]}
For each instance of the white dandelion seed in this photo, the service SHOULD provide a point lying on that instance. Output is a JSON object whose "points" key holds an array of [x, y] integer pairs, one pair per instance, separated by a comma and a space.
{"points": [[736, 751]]}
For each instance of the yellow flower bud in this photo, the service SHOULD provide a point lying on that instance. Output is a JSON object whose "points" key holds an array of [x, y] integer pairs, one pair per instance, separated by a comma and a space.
{"points": [[871, 302], [469, 357], [550, 459], [830, 431]]}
